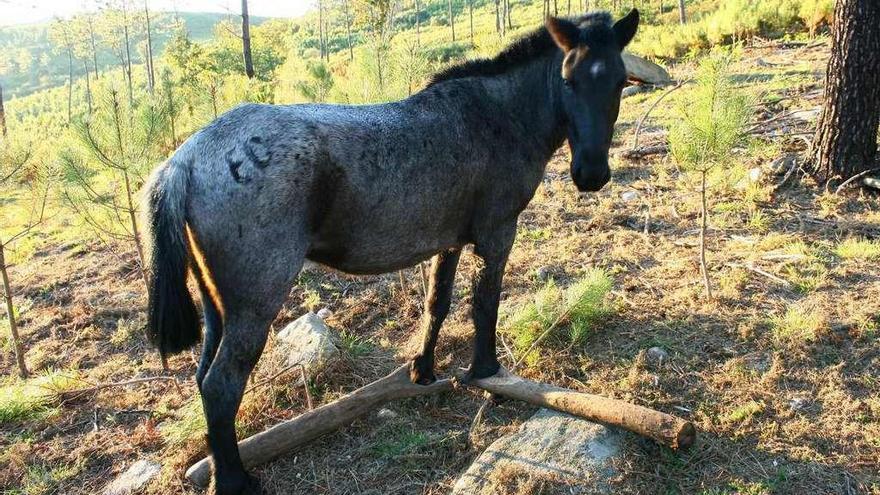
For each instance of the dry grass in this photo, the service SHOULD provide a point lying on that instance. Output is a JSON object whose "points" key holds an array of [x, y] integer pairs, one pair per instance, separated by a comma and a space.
{"points": [[779, 374]]}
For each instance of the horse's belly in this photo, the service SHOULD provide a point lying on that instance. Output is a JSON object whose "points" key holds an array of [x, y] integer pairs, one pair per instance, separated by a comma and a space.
{"points": [[367, 256]]}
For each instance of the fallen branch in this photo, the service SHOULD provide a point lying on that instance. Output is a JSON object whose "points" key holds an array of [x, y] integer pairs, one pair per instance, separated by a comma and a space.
{"points": [[855, 178], [274, 442], [644, 151], [748, 266], [651, 108], [66, 395], [666, 429]]}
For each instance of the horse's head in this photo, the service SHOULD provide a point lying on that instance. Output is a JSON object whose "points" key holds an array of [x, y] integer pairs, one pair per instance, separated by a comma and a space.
{"points": [[592, 78]]}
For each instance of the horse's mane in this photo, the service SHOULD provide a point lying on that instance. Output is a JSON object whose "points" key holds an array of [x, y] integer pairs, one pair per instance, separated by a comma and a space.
{"points": [[596, 26]]}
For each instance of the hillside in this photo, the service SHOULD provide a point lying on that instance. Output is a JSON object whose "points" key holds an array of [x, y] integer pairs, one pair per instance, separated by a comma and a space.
{"points": [[30, 62]]}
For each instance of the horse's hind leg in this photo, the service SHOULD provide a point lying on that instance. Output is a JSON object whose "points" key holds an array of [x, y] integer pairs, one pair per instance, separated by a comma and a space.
{"points": [[443, 268], [213, 332], [252, 289]]}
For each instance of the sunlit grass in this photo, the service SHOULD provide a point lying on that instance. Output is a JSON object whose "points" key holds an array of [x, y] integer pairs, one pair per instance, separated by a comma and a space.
{"points": [[34, 398], [858, 249], [798, 325], [568, 314]]}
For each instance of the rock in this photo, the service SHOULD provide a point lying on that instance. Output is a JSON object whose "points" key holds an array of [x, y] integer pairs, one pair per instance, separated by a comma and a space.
{"points": [[134, 479], [552, 446], [628, 196], [809, 115], [657, 355], [308, 341], [872, 182], [798, 404], [386, 414], [544, 273], [325, 314], [755, 175], [781, 165], [645, 71]]}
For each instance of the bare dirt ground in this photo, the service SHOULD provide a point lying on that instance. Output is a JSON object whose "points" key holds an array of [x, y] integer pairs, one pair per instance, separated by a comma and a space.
{"points": [[780, 373]]}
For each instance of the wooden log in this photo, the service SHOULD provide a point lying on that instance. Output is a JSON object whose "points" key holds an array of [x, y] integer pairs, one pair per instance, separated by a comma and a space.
{"points": [[664, 428], [272, 443]]}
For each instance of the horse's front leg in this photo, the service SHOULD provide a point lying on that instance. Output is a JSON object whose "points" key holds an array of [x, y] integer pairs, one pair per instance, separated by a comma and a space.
{"points": [[439, 297], [493, 251]]}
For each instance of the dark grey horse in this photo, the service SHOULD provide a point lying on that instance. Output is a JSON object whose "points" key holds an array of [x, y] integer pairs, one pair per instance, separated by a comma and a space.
{"points": [[370, 189]]}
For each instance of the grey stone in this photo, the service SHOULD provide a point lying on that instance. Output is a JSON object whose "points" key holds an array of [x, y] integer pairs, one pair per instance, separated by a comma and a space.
{"points": [[657, 355], [134, 479], [633, 90], [798, 404], [308, 341], [544, 273], [628, 196], [386, 414], [550, 445], [325, 313]]}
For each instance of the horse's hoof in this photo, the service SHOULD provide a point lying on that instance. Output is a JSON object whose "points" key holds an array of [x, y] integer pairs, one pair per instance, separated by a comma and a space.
{"points": [[478, 371], [420, 374], [244, 485]]}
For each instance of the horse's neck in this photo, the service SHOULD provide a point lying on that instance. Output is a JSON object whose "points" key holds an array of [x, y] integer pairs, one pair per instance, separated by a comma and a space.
{"points": [[528, 93]]}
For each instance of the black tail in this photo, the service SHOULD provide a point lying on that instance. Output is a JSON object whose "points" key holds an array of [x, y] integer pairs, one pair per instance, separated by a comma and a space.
{"points": [[173, 324]]}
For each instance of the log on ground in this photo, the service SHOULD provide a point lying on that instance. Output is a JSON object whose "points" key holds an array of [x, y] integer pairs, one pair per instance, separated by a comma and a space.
{"points": [[284, 437]]}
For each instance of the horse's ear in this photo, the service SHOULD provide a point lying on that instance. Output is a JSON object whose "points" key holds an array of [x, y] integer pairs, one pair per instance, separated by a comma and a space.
{"points": [[625, 28], [565, 33]]}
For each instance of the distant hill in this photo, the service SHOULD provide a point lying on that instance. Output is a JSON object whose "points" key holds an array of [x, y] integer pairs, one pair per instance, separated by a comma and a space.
{"points": [[29, 62]]}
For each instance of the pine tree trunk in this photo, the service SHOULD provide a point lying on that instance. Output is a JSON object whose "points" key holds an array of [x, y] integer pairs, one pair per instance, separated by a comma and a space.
{"points": [[127, 58], [322, 47], [10, 313], [507, 14], [682, 16], [418, 24], [348, 29], [451, 19], [246, 40], [94, 47], [88, 86], [2, 114], [151, 75], [69, 85], [471, 15], [845, 143]]}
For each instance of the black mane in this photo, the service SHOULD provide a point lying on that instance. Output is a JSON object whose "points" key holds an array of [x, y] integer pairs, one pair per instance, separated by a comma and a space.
{"points": [[596, 26]]}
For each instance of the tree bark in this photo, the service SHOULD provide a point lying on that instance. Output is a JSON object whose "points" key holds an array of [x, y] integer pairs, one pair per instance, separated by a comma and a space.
{"points": [[2, 114], [322, 45], [845, 143], [682, 16], [10, 313], [88, 86], [246, 40]]}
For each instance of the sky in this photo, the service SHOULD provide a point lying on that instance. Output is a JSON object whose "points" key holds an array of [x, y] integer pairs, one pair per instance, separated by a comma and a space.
{"points": [[31, 11]]}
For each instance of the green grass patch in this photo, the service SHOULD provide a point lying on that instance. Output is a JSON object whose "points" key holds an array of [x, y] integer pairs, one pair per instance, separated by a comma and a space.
{"points": [[355, 345], [858, 250], [797, 325], [34, 398], [567, 314], [744, 412], [402, 443]]}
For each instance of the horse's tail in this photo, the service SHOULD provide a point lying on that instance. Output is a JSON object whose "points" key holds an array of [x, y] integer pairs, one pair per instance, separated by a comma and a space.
{"points": [[173, 323]]}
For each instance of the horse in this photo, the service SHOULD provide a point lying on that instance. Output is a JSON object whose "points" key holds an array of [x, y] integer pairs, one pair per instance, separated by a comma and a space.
{"points": [[368, 189]]}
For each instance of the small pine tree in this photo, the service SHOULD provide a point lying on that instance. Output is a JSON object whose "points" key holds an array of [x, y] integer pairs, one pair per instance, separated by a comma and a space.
{"points": [[712, 120], [319, 83], [106, 165], [24, 187]]}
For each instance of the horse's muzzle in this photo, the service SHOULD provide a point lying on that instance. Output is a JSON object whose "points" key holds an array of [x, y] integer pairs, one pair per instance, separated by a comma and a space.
{"points": [[592, 176]]}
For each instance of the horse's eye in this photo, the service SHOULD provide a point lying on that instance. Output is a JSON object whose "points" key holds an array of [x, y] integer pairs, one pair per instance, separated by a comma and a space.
{"points": [[568, 83]]}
